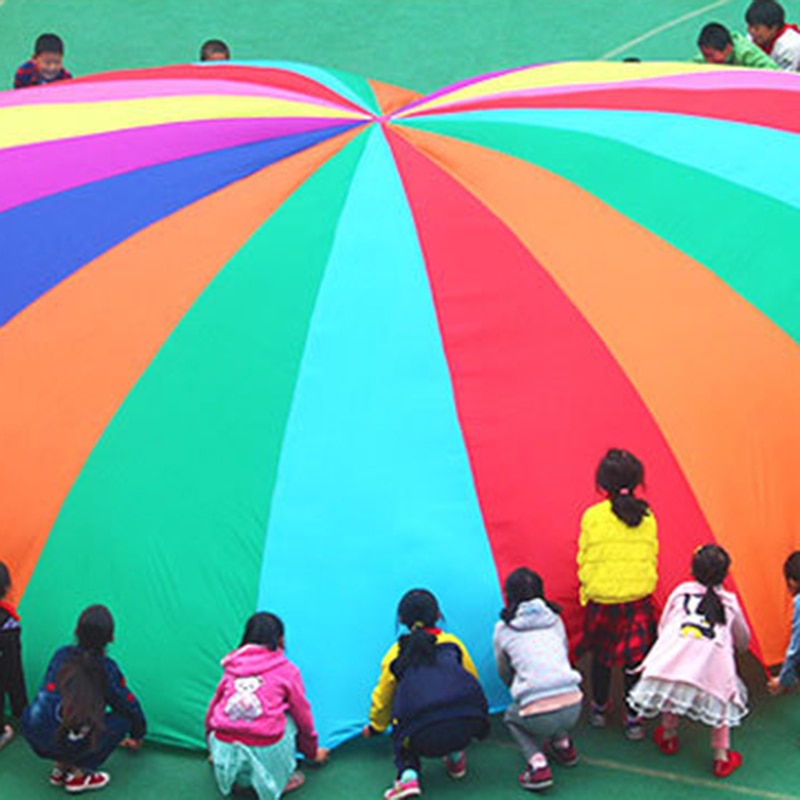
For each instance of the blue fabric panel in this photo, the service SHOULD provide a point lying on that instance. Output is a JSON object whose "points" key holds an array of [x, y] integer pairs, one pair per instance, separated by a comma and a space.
{"points": [[374, 494], [45, 241]]}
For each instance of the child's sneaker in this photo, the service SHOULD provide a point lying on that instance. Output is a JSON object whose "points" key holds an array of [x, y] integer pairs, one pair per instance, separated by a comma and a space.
{"points": [[534, 779], [634, 728], [722, 769], [597, 714], [402, 789], [296, 780], [564, 752], [668, 745], [86, 781], [6, 735], [456, 767], [58, 776]]}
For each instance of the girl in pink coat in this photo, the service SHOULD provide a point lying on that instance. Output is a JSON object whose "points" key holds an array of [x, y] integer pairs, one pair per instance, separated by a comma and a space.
{"points": [[259, 716], [691, 669]]}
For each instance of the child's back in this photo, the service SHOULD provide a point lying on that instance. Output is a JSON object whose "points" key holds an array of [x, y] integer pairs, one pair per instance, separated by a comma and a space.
{"points": [[259, 716], [429, 691], [12, 679], [691, 669]]}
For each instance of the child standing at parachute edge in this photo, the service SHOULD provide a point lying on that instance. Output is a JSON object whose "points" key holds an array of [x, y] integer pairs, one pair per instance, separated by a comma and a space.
{"points": [[68, 721], [12, 679], [691, 670], [618, 571], [428, 689], [259, 715]]}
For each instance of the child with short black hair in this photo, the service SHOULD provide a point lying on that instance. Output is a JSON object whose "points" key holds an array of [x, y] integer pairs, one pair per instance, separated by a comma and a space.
{"points": [[259, 715], [68, 720], [788, 676], [46, 65], [429, 690], [691, 670], [721, 46], [618, 571], [766, 24], [532, 654], [215, 50], [12, 679]]}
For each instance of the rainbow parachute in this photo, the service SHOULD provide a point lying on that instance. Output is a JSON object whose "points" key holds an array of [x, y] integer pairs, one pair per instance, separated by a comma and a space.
{"points": [[278, 337]]}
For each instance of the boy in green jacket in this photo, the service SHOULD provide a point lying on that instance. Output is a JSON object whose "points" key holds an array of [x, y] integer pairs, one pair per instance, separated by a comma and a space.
{"points": [[721, 46]]}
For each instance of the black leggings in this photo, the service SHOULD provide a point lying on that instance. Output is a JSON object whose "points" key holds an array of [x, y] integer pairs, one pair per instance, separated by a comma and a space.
{"points": [[436, 740], [601, 682]]}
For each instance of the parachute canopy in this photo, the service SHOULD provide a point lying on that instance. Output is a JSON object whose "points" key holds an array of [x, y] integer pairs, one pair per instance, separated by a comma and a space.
{"points": [[275, 337]]}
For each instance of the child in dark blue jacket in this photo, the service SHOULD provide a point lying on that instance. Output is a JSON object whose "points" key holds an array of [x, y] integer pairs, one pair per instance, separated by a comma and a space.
{"points": [[69, 721], [429, 691]]}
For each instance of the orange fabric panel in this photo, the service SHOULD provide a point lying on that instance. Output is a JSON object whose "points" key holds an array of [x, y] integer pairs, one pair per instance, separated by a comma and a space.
{"points": [[721, 380], [69, 360], [391, 98]]}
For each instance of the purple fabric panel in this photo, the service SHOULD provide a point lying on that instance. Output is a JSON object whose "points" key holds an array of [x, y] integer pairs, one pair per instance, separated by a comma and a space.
{"points": [[33, 171]]}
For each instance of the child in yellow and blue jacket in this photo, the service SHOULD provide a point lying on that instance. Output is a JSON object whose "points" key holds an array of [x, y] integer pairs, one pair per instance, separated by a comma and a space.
{"points": [[429, 691], [618, 571]]}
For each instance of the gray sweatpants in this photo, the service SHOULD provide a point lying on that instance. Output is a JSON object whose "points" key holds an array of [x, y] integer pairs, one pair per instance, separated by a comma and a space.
{"points": [[530, 731]]}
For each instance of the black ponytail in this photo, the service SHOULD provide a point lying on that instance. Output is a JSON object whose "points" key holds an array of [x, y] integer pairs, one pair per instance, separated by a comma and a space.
{"points": [[81, 681], [416, 649], [418, 609], [710, 566], [522, 585], [619, 473]]}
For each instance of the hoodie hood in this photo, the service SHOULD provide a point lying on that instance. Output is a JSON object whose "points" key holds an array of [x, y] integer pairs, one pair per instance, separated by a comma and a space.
{"points": [[533, 614], [253, 659]]}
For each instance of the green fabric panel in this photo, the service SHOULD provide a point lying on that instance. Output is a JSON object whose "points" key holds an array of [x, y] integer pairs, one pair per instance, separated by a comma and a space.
{"points": [[360, 85], [747, 239], [153, 505]]}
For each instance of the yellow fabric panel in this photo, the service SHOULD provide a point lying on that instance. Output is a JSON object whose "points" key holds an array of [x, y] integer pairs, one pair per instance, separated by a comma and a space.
{"points": [[553, 75], [30, 124]]}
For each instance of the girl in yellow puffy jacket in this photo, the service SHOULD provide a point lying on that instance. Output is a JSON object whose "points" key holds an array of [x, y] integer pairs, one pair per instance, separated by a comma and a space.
{"points": [[618, 571]]}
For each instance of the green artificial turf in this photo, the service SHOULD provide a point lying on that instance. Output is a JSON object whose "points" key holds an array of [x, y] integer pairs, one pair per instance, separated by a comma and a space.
{"points": [[611, 766], [421, 44]]}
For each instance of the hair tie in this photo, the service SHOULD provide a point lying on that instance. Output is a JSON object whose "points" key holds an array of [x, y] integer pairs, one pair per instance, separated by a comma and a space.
{"points": [[417, 626], [624, 491]]}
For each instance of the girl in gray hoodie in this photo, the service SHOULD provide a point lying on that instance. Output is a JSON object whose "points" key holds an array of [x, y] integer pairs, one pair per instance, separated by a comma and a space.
{"points": [[530, 645]]}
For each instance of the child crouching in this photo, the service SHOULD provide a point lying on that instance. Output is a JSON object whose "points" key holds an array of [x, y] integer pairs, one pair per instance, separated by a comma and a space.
{"points": [[259, 715]]}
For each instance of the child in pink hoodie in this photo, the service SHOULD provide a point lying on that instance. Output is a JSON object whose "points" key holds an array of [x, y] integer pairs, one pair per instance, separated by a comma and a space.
{"points": [[691, 669], [259, 716]]}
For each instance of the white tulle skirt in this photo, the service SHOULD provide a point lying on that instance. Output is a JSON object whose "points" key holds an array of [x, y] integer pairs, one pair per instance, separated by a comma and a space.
{"points": [[653, 696]]}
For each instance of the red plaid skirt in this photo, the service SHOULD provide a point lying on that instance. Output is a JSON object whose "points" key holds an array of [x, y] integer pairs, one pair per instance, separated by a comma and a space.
{"points": [[619, 634]]}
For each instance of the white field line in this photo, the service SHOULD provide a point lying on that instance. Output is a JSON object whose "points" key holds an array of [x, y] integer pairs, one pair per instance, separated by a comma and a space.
{"points": [[716, 784], [661, 28]]}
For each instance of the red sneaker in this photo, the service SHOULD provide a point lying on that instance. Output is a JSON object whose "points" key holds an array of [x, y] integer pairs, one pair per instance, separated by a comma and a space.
{"points": [[456, 767], [565, 752], [85, 782], [534, 780], [296, 780], [668, 745], [58, 776], [722, 768]]}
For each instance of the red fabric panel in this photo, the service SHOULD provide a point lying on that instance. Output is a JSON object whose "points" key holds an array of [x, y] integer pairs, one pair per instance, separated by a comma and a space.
{"points": [[539, 396]]}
